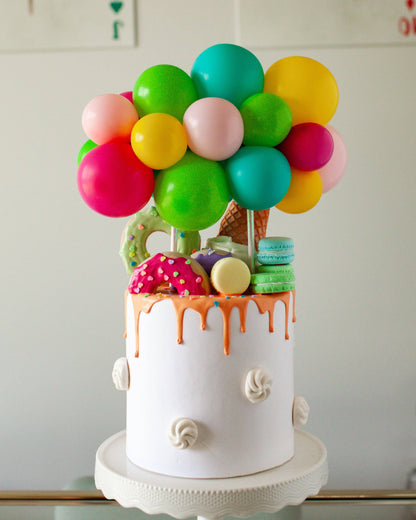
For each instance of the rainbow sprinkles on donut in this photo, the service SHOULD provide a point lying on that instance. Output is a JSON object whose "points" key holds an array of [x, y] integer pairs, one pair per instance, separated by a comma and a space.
{"points": [[208, 370]]}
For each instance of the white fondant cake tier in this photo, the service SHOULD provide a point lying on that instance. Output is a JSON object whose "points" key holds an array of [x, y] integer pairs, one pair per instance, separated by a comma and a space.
{"points": [[219, 403]]}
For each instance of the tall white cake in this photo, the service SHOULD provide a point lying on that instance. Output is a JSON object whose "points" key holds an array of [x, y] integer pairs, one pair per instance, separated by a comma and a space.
{"points": [[209, 383]]}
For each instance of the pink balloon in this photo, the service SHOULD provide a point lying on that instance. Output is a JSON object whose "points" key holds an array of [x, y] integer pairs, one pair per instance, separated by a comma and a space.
{"points": [[109, 117], [113, 181], [214, 128], [308, 146], [128, 95], [334, 169]]}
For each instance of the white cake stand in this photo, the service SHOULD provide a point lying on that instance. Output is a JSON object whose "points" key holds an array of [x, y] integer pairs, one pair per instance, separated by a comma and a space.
{"points": [[268, 491]]}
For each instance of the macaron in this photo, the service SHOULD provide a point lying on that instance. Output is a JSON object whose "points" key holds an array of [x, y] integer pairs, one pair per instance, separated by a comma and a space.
{"points": [[209, 257], [230, 276], [273, 279], [275, 251]]}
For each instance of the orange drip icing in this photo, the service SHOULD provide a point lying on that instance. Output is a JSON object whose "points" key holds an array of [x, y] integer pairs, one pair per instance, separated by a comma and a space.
{"points": [[142, 304], [265, 303], [201, 305], [293, 311], [126, 293], [226, 307]]}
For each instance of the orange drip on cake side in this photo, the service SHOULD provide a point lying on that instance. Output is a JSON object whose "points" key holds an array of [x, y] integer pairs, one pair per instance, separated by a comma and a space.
{"points": [[267, 305], [226, 307], [142, 304], [293, 310], [201, 304]]}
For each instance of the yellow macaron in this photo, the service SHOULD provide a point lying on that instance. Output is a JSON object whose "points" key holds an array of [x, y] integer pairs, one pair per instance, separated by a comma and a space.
{"points": [[230, 276]]}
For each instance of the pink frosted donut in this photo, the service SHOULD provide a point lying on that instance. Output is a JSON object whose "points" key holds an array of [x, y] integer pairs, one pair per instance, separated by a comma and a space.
{"points": [[183, 272]]}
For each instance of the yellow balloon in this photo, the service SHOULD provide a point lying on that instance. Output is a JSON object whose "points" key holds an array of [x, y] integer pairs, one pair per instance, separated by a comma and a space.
{"points": [[306, 85], [304, 192], [159, 140]]}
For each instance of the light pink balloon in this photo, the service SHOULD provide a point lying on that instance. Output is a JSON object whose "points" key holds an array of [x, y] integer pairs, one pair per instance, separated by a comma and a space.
{"points": [[334, 169], [109, 117], [214, 128]]}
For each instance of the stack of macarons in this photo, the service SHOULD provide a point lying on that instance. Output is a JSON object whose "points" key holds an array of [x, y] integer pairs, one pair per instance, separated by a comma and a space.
{"points": [[275, 272]]}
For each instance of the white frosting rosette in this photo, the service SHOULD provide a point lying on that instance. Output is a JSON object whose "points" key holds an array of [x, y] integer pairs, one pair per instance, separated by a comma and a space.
{"points": [[121, 374], [183, 433], [258, 385], [300, 411]]}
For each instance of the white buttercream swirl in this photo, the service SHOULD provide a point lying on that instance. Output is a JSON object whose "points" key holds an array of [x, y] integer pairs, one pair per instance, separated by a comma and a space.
{"points": [[183, 433], [258, 385], [300, 411], [121, 374]]}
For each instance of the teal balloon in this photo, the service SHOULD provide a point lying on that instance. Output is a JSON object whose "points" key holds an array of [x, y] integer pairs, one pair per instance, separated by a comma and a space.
{"points": [[85, 148], [258, 177], [227, 71], [192, 194], [267, 120], [164, 88]]}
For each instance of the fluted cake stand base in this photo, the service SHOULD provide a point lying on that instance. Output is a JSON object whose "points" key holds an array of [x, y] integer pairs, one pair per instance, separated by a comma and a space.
{"points": [[267, 491]]}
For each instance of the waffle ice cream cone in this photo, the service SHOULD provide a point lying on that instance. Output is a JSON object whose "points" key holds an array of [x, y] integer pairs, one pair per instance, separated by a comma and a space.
{"points": [[234, 224]]}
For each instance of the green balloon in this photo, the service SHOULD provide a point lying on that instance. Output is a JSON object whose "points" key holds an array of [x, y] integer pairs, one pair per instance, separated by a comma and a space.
{"points": [[164, 88], [267, 119], [85, 148], [192, 194]]}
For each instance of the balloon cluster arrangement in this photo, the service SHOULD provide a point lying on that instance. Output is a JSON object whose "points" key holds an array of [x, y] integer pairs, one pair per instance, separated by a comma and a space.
{"points": [[226, 131]]}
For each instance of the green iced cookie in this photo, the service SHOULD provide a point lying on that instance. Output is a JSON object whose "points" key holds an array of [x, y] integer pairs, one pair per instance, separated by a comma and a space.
{"points": [[133, 241]]}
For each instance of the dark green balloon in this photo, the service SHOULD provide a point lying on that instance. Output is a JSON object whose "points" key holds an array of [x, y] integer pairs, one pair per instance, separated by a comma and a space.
{"points": [[192, 194], [267, 119]]}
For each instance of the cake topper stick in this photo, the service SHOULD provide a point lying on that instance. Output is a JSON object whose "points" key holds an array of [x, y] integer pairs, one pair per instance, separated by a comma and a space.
{"points": [[173, 239], [172, 247], [250, 238]]}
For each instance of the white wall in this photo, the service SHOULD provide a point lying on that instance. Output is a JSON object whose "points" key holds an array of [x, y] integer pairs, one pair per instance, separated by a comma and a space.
{"points": [[63, 283]]}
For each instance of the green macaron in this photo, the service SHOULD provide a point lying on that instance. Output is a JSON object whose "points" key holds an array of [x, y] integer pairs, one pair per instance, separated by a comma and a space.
{"points": [[273, 279]]}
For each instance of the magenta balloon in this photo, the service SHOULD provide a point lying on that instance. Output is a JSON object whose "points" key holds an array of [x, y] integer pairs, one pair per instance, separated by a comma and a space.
{"points": [[128, 95], [308, 146], [113, 181], [334, 169], [214, 128]]}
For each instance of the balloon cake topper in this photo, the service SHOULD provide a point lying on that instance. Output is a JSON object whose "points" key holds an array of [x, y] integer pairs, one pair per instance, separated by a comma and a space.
{"points": [[228, 131]]}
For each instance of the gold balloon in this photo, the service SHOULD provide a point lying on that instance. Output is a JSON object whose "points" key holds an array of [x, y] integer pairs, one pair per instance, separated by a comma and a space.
{"points": [[159, 140], [306, 85], [304, 192]]}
